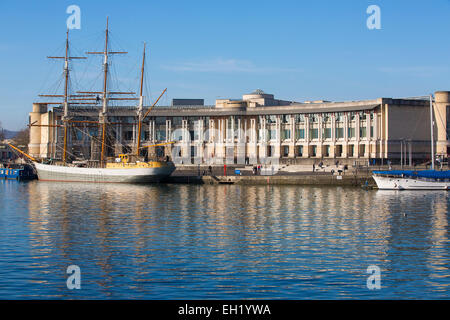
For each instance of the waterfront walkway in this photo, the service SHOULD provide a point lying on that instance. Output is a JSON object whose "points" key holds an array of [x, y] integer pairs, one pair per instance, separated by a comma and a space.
{"points": [[245, 175]]}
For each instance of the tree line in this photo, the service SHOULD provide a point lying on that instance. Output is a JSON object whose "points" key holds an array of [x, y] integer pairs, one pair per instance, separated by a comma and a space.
{"points": [[20, 139]]}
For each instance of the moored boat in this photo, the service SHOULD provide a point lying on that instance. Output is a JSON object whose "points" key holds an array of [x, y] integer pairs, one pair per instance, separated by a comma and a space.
{"points": [[144, 172], [415, 179], [412, 180], [103, 165]]}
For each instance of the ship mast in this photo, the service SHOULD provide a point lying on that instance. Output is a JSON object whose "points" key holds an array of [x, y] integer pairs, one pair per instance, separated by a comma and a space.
{"points": [[103, 116], [65, 117], [66, 87], [432, 132], [142, 116], [141, 105]]}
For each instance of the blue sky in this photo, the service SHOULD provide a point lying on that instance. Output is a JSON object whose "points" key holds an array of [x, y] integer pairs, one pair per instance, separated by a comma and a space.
{"points": [[297, 50]]}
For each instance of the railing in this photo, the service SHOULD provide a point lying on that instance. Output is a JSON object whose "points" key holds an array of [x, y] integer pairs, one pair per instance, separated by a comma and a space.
{"points": [[97, 107]]}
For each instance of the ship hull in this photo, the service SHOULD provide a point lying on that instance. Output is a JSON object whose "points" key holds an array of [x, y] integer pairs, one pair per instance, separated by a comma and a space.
{"points": [[401, 183], [48, 172]]}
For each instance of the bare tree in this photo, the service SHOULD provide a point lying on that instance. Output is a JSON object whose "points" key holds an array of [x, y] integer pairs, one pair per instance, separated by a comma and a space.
{"points": [[2, 134], [22, 138]]}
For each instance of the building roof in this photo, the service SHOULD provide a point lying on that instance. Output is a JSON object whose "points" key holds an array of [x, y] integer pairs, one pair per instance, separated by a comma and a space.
{"points": [[211, 110]]}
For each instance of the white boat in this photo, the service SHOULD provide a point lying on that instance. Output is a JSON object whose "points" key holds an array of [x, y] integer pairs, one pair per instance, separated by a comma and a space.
{"points": [[136, 173], [108, 168], [412, 180], [417, 179]]}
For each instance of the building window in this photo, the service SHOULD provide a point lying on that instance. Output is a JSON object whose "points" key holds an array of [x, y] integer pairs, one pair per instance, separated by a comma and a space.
{"points": [[285, 151], [286, 134], [299, 151], [160, 120], [338, 150], [327, 133], [230, 122], [285, 118], [272, 134], [326, 151], [371, 132], [313, 151], [300, 134], [271, 119], [176, 121], [128, 135], [339, 133], [314, 133], [299, 118], [362, 132], [351, 132], [350, 150], [362, 149]]}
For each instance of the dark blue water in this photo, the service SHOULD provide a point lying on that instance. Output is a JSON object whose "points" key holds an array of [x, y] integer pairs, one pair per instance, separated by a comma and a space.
{"points": [[227, 242]]}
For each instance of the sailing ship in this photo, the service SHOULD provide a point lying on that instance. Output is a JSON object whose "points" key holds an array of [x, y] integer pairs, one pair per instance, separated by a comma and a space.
{"points": [[415, 179], [131, 168]]}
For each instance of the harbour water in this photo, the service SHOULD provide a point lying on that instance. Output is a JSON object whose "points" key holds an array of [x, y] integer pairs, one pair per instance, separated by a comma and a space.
{"points": [[221, 241]]}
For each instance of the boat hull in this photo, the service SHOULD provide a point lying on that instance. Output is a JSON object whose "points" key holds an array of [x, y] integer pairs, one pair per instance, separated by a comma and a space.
{"points": [[402, 183], [48, 172]]}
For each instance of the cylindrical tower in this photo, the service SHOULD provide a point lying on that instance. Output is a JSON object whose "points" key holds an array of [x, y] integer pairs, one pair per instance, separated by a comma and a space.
{"points": [[441, 111], [34, 147]]}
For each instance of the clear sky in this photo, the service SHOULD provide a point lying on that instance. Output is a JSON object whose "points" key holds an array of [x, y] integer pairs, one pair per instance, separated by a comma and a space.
{"points": [[297, 50]]}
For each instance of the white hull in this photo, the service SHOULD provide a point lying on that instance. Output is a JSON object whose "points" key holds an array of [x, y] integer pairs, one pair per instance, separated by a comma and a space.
{"points": [[48, 172], [399, 183]]}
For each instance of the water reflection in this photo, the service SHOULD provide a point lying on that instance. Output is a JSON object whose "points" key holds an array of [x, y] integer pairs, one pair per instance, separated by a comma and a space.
{"points": [[184, 241]]}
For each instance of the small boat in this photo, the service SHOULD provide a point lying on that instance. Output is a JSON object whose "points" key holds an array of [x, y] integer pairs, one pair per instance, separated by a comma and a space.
{"points": [[415, 179], [412, 180], [17, 172]]}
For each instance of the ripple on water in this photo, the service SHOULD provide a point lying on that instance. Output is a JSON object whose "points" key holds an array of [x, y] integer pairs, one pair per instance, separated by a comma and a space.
{"points": [[228, 242]]}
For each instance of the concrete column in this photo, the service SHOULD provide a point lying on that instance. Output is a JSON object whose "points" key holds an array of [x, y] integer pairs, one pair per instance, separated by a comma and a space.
{"points": [[153, 130], [345, 150], [292, 137], [252, 146], [34, 146], [368, 125], [320, 128], [45, 136], [168, 130], [333, 127], [346, 126], [306, 145], [442, 101], [357, 127], [375, 126], [307, 129]]}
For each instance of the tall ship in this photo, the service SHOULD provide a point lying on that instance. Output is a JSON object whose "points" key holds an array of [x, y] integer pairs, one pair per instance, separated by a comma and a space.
{"points": [[415, 179], [104, 164]]}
